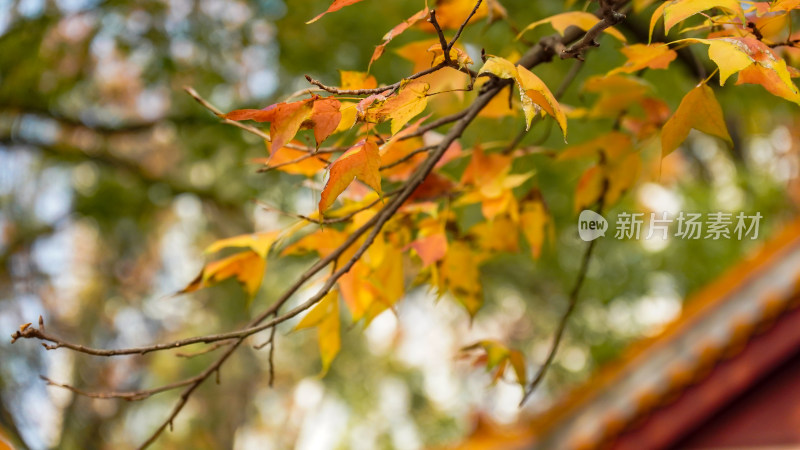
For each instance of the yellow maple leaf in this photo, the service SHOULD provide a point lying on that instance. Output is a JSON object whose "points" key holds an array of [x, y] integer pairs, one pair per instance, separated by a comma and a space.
{"points": [[409, 101], [533, 92], [700, 110], [583, 20], [534, 221], [325, 316], [247, 267], [679, 10], [641, 56], [351, 79], [258, 242]]}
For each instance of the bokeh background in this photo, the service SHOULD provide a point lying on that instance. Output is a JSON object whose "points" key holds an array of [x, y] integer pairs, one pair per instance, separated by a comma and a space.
{"points": [[113, 180]]}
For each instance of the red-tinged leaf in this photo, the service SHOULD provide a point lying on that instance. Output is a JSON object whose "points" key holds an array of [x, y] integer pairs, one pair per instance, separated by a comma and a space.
{"points": [[325, 316], [583, 20], [700, 110], [484, 167], [396, 31], [640, 56], [430, 248], [434, 186], [324, 119], [335, 6], [777, 82], [361, 161], [285, 119]]}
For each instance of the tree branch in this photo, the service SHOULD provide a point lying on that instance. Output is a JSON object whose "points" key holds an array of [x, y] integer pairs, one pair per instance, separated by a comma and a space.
{"points": [[372, 228], [571, 302]]}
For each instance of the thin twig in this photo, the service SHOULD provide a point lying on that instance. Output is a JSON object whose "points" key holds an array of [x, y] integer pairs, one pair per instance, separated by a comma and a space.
{"points": [[461, 28], [572, 301], [609, 19], [129, 395], [440, 33], [408, 156]]}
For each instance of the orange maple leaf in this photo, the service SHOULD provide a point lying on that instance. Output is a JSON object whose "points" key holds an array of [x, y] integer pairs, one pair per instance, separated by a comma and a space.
{"points": [[361, 161], [335, 6]]}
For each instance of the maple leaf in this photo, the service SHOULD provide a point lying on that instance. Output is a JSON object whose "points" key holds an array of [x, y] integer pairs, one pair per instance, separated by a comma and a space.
{"points": [[409, 101], [394, 32], [430, 248], [323, 241], [610, 144], [497, 235], [534, 222], [294, 161], [492, 184], [583, 20], [620, 168], [398, 148], [459, 273], [324, 118], [351, 80], [536, 92], [700, 110], [317, 113], [247, 267], [451, 13], [361, 161], [640, 56], [257, 242], [421, 54], [533, 92], [374, 283], [335, 6], [325, 316], [498, 356], [434, 186], [617, 94], [285, 118], [589, 189], [679, 10]]}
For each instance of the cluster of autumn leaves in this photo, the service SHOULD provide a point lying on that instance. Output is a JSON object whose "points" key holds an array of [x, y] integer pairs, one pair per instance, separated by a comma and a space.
{"points": [[423, 243]]}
